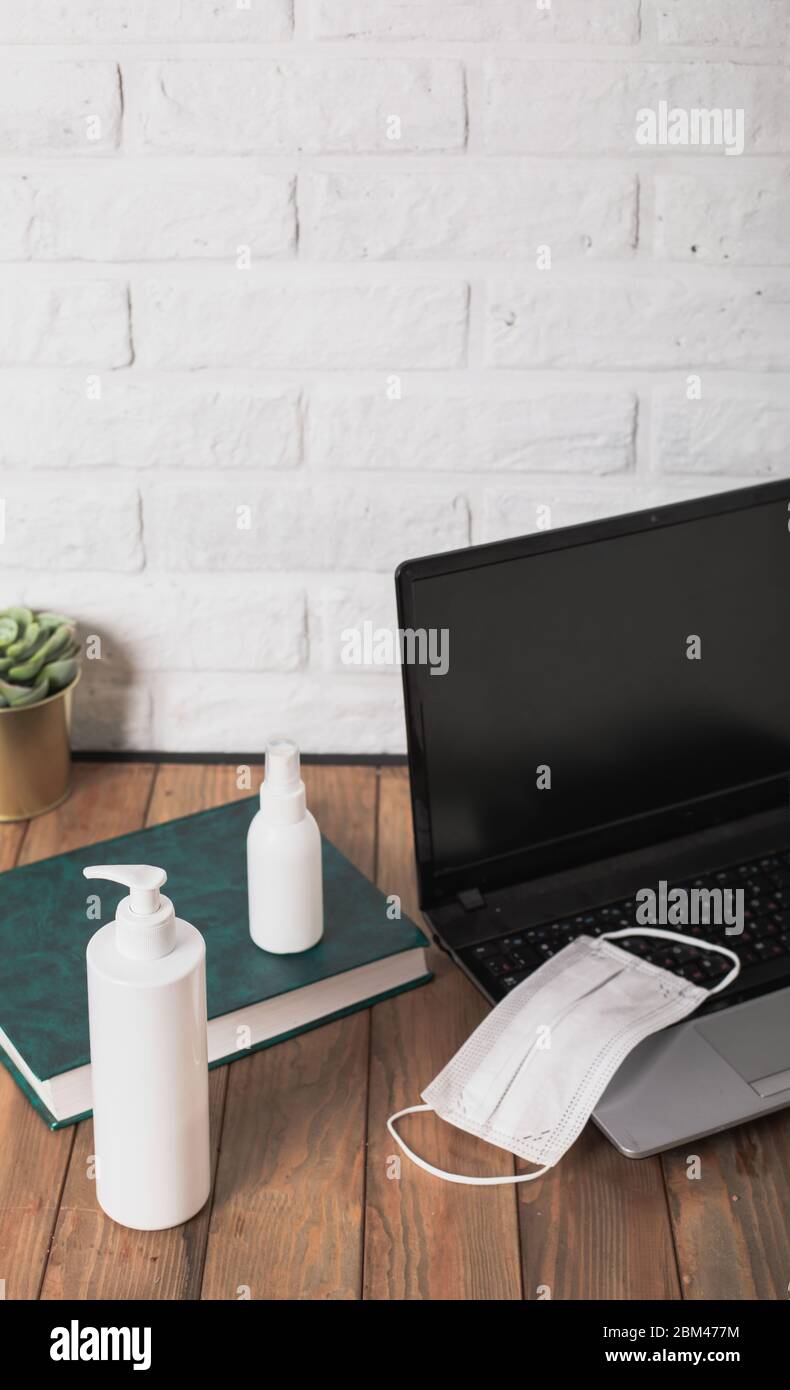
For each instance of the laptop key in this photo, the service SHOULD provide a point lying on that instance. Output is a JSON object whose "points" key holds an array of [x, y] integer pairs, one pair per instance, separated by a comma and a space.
{"points": [[501, 965], [487, 948], [510, 981]]}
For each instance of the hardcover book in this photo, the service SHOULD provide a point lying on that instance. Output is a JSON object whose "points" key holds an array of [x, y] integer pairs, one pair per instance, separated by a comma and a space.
{"points": [[48, 913]]}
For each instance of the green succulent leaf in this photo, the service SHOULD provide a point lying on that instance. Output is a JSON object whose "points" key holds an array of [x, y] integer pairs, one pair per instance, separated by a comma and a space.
{"points": [[30, 694], [26, 642], [53, 620], [27, 670], [56, 642], [59, 674], [21, 616], [9, 630], [13, 692]]}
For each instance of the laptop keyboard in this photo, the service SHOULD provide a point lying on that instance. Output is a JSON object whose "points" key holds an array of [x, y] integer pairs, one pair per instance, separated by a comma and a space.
{"points": [[504, 961]]}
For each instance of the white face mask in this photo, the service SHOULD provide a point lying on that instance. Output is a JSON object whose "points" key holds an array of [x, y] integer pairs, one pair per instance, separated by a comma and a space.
{"points": [[531, 1075]]}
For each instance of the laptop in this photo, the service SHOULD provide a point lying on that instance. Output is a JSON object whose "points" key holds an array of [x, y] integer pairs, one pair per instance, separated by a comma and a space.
{"points": [[596, 711]]}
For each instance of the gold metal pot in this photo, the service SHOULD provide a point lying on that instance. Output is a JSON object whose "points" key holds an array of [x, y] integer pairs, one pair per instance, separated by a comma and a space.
{"points": [[35, 756]]}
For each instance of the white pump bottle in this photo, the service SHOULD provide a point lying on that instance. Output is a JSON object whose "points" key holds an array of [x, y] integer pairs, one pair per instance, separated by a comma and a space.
{"points": [[149, 1066], [284, 878]]}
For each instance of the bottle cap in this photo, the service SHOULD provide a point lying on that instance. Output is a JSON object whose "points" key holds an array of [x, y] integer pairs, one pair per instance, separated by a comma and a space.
{"points": [[145, 920]]}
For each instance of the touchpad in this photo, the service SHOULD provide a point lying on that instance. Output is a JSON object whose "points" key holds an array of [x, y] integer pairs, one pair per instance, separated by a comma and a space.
{"points": [[754, 1039]]}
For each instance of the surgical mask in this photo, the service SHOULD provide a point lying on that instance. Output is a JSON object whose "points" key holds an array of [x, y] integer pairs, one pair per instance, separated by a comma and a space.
{"points": [[529, 1078]]}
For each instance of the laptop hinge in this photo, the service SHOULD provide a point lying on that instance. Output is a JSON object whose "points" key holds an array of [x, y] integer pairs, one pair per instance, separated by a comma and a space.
{"points": [[471, 898]]}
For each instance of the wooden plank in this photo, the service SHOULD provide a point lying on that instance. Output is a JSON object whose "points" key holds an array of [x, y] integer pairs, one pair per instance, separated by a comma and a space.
{"points": [[288, 1205], [424, 1238], [33, 1159], [732, 1223], [91, 1256], [597, 1227], [106, 799]]}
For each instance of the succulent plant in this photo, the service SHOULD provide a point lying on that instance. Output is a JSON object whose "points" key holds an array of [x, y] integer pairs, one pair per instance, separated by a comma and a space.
{"points": [[38, 656]]}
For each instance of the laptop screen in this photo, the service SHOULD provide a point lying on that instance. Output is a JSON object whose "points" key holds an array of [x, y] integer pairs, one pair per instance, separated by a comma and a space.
{"points": [[596, 678]]}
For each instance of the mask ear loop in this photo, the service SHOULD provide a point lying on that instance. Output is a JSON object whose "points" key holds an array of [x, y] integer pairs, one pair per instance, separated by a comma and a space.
{"points": [[689, 941], [441, 1172]]}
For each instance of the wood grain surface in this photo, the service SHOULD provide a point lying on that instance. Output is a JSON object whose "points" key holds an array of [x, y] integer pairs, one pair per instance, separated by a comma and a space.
{"points": [[310, 1198]]}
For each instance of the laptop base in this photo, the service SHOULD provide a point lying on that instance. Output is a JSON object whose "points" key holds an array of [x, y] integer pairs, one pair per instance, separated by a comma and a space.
{"points": [[736, 1049]]}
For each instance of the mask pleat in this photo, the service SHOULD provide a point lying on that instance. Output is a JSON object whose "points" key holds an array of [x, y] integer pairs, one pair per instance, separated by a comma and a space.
{"points": [[518, 1042]]}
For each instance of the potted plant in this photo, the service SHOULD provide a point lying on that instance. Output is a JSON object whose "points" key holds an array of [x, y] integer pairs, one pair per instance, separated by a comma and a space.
{"points": [[39, 669]]}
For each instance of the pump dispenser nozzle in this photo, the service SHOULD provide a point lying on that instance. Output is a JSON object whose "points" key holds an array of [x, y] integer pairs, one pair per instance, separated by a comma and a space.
{"points": [[142, 880], [146, 919]]}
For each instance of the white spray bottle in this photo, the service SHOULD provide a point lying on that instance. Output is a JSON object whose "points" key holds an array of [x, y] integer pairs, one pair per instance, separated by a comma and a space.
{"points": [[284, 879], [149, 1065]]}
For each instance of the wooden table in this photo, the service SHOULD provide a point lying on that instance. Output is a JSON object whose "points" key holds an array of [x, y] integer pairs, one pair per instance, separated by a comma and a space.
{"points": [[307, 1201]]}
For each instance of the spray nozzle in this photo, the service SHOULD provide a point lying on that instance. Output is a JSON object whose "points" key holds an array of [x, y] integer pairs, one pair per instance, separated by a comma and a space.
{"points": [[282, 765], [142, 880], [282, 788]]}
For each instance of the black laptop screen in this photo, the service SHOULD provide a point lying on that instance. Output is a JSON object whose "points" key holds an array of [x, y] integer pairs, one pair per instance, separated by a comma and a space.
{"points": [[601, 681]]}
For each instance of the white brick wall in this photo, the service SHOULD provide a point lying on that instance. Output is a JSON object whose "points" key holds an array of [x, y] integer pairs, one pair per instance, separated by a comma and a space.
{"points": [[294, 291], [51, 108], [145, 214], [313, 105], [300, 322]]}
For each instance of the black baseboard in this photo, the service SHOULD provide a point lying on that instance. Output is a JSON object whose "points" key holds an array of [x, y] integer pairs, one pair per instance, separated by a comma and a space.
{"points": [[84, 755]]}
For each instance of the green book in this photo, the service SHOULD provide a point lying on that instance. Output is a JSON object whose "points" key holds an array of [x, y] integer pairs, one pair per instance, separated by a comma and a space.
{"points": [[255, 999]]}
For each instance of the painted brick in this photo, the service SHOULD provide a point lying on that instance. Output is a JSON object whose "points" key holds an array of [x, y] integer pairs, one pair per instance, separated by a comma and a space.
{"points": [[63, 325], [70, 524], [357, 714], [741, 220], [147, 421], [538, 428], [59, 107], [238, 525], [580, 107], [302, 324], [649, 322], [313, 106], [161, 622], [573, 21], [735, 431], [144, 21], [500, 214], [139, 214], [735, 23]]}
